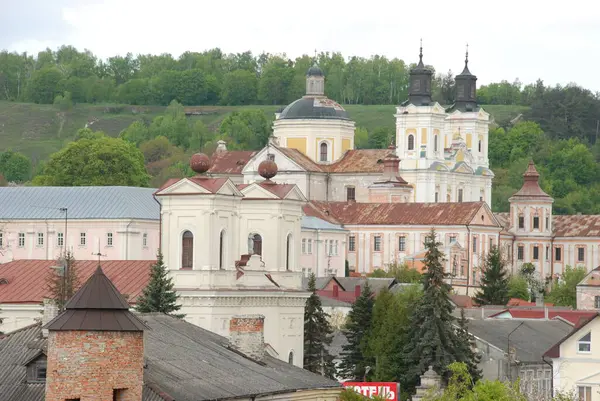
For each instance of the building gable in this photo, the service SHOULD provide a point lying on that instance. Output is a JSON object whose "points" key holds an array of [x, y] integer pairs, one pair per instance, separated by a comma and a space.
{"points": [[484, 217], [295, 194], [255, 191], [183, 186], [284, 163]]}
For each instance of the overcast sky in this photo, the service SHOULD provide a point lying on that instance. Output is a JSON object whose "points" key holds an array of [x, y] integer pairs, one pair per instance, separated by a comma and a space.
{"points": [[508, 39]]}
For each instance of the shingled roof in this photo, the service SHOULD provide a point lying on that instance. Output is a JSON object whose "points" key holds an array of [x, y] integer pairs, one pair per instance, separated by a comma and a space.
{"points": [[97, 306]]}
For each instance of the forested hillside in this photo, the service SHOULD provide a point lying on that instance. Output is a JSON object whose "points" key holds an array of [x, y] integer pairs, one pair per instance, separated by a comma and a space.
{"points": [[46, 101]]}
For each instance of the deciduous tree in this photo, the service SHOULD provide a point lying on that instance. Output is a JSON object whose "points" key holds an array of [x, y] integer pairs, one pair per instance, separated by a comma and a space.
{"points": [[60, 287]]}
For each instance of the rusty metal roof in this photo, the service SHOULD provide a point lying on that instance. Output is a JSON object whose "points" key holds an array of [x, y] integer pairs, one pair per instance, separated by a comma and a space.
{"points": [[360, 161], [576, 225], [96, 306], [27, 278], [397, 213], [302, 160], [230, 161], [212, 185]]}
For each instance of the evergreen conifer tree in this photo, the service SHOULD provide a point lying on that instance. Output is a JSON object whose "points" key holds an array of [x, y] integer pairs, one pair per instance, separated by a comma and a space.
{"points": [[354, 354], [468, 345], [158, 296], [317, 335], [432, 338], [494, 281]]}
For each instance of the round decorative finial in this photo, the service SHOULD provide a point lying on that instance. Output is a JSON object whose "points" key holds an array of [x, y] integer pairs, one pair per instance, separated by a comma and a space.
{"points": [[200, 163], [267, 169]]}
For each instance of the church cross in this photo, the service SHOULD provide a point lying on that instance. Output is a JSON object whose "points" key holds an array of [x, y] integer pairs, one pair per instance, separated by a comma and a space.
{"points": [[99, 254]]}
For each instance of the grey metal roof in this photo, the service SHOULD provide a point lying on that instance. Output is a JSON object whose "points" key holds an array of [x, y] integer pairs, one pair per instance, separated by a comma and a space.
{"points": [[375, 283], [530, 341], [332, 302], [320, 282], [29, 203], [190, 363], [315, 223], [310, 107], [183, 361]]}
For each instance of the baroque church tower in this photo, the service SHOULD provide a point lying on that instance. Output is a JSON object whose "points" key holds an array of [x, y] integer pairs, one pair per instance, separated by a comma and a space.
{"points": [[444, 150]]}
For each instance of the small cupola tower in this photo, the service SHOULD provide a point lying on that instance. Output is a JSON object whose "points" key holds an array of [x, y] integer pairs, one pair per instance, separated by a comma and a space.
{"points": [[315, 81], [419, 90], [95, 347], [466, 88]]}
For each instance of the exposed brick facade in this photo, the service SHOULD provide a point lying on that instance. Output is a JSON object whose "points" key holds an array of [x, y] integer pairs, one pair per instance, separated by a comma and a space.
{"points": [[90, 365], [247, 335]]}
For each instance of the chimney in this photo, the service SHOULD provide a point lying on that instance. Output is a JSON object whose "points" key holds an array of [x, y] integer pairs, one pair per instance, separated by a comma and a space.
{"points": [[221, 146], [49, 312], [390, 165], [247, 335], [336, 291], [357, 291]]}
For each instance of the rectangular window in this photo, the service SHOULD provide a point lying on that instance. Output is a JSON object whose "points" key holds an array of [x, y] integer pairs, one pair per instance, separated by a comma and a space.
{"points": [[352, 243], [82, 239], [597, 302], [521, 222], [536, 252], [304, 245], [547, 253], [520, 251], [402, 243], [109, 239], [547, 223], [584, 345], [536, 223], [60, 239], [377, 243], [40, 239], [585, 393], [437, 197], [491, 243], [335, 247], [309, 246], [21, 240], [145, 240], [557, 254], [474, 244], [1, 240], [580, 254], [460, 195], [452, 239], [350, 193]]}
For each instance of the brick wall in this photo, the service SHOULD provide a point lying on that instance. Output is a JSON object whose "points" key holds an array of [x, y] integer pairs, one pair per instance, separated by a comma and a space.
{"points": [[90, 365], [247, 335]]}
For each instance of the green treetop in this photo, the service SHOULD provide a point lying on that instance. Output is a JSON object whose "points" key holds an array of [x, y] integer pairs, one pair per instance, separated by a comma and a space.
{"points": [[494, 281], [159, 296]]}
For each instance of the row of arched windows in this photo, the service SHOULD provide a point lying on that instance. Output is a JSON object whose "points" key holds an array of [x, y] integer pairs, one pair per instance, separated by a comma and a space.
{"points": [[254, 248], [411, 143]]}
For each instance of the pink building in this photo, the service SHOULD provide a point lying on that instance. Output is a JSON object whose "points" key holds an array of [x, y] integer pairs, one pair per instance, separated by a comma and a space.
{"points": [[119, 223]]}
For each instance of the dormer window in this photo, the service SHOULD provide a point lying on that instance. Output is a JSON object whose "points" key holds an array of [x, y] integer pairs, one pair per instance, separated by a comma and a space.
{"points": [[36, 369], [584, 345]]}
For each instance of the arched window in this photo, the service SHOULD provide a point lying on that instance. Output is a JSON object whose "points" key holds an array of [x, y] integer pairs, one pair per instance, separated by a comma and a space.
{"points": [[323, 147], [255, 244], [291, 357], [411, 142], [288, 252], [222, 250], [435, 143], [187, 250], [479, 146]]}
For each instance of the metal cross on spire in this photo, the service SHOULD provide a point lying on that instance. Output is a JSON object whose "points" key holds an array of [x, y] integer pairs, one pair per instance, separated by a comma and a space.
{"points": [[99, 254], [467, 55]]}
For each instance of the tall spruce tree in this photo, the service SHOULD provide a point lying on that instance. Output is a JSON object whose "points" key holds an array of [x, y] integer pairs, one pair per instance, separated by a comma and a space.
{"points": [[317, 335], [432, 338], [159, 296], [355, 358], [467, 343], [494, 281]]}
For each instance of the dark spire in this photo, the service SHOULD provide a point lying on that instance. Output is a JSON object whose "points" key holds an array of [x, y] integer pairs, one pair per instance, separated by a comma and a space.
{"points": [[466, 88], [419, 91], [97, 306]]}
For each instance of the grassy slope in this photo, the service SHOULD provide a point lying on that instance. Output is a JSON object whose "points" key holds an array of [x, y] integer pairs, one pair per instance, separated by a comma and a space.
{"points": [[39, 130]]}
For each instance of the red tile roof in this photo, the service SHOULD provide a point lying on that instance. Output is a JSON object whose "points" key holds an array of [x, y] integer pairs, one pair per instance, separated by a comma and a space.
{"points": [[230, 161], [522, 302], [279, 190], [360, 161], [399, 213], [27, 278], [210, 184]]}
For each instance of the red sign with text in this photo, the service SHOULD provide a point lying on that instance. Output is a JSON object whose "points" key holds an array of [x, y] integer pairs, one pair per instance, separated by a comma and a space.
{"points": [[388, 391]]}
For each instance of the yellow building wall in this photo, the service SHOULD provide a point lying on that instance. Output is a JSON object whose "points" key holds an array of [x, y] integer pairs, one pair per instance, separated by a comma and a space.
{"points": [[469, 140], [424, 136], [297, 143], [346, 145]]}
